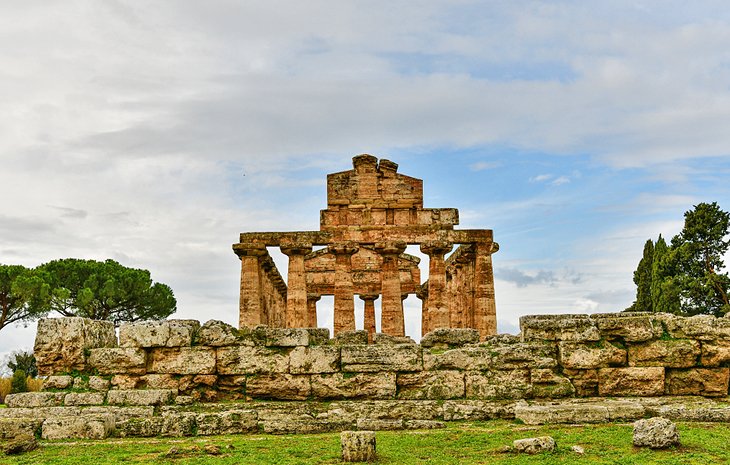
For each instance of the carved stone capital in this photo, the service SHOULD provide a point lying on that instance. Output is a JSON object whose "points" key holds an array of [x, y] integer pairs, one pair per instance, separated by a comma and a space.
{"points": [[422, 291], [343, 248], [250, 250], [390, 248], [296, 248], [367, 297], [433, 248]]}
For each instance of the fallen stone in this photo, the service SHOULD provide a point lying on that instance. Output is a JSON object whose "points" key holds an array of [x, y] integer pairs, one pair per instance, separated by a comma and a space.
{"points": [[655, 433], [212, 449], [20, 445], [534, 445], [14, 427], [578, 450], [358, 446]]}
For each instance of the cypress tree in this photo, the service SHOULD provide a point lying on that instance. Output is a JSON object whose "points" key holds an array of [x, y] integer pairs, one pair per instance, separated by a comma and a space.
{"points": [[643, 280]]}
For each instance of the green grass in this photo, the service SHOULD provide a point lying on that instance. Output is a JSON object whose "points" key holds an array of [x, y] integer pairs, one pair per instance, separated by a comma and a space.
{"points": [[460, 443]]}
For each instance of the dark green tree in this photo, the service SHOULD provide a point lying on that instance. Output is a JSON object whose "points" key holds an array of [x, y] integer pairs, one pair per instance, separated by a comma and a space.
{"points": [[642, 279], [105, 291], [19, 382], [24, 296], [664, 292], [699, 259], [25, 361]]}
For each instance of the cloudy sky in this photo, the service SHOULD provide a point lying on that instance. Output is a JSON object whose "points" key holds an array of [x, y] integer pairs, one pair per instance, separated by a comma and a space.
{"points": [[154, 132]]}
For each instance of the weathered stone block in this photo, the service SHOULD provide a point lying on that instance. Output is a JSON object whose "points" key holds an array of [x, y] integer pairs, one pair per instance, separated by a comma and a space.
{"points": [[60, 343], [158, 333], [251, 360], [628, 326], [126, 382], [478, 410], [493, 356], [140, 427], [34, 399], [189, 382], [431, 385], [97, 383], [160, 381], [118, 360], [546, 383], [401, 357], [120, 413], [574, 328], [81, 383], [141, 397], [292, 337], [715, 353], [674, 353], [709, 382], [382, 338], [498, 384], [424, 424], [586, 356], [19, 445], [450, 337], [655, 433], [216, 333], [351, 338], [13, 427], [700, 327], [352, 386], [281, 386], [84, 398], [634, 381], [57, 382], [577, 413], [182, 360], [229, 422], [318, 359], [358, 446], [78, 427], [379, 424], [534, 445], [178, 424], [584, 381]]}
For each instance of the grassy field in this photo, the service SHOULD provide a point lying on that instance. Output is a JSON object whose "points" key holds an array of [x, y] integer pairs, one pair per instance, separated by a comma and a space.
{"points": [[460, 443]]}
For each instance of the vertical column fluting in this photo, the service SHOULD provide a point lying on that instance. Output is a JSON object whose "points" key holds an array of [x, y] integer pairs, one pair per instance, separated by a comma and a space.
{"points": [[312, 310], [485, 310], [369, 323], [438, 312], [391, 319], [296, 295], [251, 308], [422, 294], [344, 314]]}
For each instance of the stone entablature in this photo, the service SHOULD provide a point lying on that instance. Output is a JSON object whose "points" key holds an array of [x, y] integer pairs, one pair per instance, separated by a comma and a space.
{"points": [[373, 212]]}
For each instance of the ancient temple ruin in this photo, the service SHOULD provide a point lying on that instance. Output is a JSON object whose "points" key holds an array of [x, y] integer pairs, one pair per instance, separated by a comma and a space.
{"points": [[373, 212]]}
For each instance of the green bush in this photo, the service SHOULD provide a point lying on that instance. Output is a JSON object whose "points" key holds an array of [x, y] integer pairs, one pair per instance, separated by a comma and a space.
{"points": [[18, 383]]}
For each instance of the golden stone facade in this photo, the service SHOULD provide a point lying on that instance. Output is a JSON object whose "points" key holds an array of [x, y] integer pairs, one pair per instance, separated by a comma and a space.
{"points": [[373, 212]]}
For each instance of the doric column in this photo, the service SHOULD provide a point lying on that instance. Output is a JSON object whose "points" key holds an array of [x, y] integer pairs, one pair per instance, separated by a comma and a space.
{"points": [[251, 309], [296, 294], [438, 312], [422, 294], [485, 310], [312, 300], [391, 320], [369, 325], [344, 317]]}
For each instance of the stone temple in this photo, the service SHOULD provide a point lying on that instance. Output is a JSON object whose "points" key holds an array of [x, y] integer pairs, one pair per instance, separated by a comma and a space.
{"points": [[373, 212]]}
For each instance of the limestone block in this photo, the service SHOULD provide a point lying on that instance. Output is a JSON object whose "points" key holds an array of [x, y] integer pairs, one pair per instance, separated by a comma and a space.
{"points": [[585, 356], [431, 385], [634, 381], [474, 410], [498, 384], [241, 360], [317, 359], [382, 338], [534, 445], [216, 333], [708, 382], [282, 386], [120, 413], [628, 326], [158, 333], [715, 353], [351, 338], [57, 382], [674, 353], [81, 383], [424, 424], [547, 383], [354, 386], [97, 383], [34, 399], [125, 382], [78, 427], [292, 337], [379, 424], [13, 427], [182, 360], [655, 433], [189, 382], [141, 397], [140, 427], [228, 422], [84, 398], [577, 413], [38, 412], [118, 360], [19, 445], [160, 381], [60, 343], [700, 327], [401, 357], [584, 381], [450, 337], [358, 446], [178, 424], [574, 328], [493, 355], [305, 425]]}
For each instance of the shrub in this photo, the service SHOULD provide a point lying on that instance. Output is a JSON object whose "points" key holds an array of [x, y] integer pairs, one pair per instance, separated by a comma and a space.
{"points": [[4, 389], [19, 383]]}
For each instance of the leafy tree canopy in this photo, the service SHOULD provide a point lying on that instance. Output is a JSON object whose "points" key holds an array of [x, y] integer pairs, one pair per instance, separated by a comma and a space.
{"points": [[25, 361], [23, 295], [105, 291]]}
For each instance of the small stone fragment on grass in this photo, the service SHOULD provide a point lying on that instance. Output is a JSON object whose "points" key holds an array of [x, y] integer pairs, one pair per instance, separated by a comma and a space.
{"points": [[578, 450], [358, 446], [534, 445], [212, 449], [655, 433]]}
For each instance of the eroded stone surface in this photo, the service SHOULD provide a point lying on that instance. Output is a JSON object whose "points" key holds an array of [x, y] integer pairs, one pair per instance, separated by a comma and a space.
{"points": [[655, 433], [352, 386], [182, 360], [61, 343], [586, 356], [498, 384], [78, 427], [141, 397], [574, 328], [215, 333], [635, 381], [450, 337], [118, 360], [534, 445], [358, 446], [675, 353], [710, 382], [158, 333], [373, 358], [318, 359], [431, 385], [34, 399]]}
